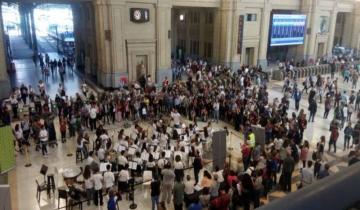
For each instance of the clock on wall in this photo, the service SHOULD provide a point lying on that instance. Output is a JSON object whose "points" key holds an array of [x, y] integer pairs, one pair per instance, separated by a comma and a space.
{"points": [[139, 15]]}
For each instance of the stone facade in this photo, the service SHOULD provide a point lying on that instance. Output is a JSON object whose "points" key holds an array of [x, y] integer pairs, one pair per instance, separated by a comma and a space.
{"points": [[132, 49], [114, 46]]}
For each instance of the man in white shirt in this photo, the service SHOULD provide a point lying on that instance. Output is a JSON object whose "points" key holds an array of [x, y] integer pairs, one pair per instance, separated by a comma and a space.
{"points": [[216, 107], [123, 179], [109, 178], [188, 190], [93, 115], [43, 135], [101, 154], [189, 185], [162, 161], [97, 179], [176, 117], [307, 174], [219, 174], [90, 159], [104, 138], [122, 160]]}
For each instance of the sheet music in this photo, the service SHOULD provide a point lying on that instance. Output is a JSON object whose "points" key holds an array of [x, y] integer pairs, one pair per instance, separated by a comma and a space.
{"points": [[186, 150], [120, 148], [147, 176], [131, 151], [132, 165], [103, 166], [145, 156], [156, 155], [197, 188], [167, 154], [168, 130]]}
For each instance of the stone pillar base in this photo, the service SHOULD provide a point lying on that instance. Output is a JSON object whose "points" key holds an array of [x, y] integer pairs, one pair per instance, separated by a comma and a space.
{"points": [[5, 88], [110, 80], [162, 73], [263, 63], [234, 66]]}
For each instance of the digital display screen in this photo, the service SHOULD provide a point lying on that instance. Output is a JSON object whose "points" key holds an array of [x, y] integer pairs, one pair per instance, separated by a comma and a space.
{"points": [[287, 29]]}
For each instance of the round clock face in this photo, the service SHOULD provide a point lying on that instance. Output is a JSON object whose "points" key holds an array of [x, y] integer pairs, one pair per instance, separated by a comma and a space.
{"points": [[137, 14]]}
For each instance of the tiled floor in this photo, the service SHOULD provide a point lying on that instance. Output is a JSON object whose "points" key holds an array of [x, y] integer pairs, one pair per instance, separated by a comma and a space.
{"points": [[23, 180]]}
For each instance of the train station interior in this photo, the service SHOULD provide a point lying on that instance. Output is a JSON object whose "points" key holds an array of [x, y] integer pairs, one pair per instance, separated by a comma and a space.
{"points": [[179, 104]]}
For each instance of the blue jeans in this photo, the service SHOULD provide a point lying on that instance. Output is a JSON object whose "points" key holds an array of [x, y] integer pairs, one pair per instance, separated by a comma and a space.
{"points": [[154, 202], [216, 115]]}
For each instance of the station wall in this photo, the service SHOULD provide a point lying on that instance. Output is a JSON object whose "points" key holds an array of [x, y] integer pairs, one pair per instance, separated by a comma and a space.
{"points": [[130, 49]]}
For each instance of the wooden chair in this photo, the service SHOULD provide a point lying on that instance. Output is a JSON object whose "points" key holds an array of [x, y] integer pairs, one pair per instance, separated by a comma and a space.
{"points": [[73, 203], [40, 188], [79, 156], [62, 194]]}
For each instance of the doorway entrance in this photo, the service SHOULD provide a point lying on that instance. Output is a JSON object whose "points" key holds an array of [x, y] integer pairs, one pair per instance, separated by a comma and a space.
{"points": [[192, 33], [249, 56], [320, 51], [141, 66]]}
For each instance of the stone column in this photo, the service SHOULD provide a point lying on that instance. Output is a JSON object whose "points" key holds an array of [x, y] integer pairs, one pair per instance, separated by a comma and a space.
{"points": [[202, 26], [78, 23], [25, 25], [348, 30], [110, 17], [265, 22], [223, 32], [33, 30], [332, 26], [4, 79], [28, 27], [163, 27], [355, 38], [91, 41], [22, 22], [103, 56], [217, 35], [310, 9]]}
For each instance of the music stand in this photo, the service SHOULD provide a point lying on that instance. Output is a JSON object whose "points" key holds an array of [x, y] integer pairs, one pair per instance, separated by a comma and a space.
{"points": [[133, 205], [43, 171]]}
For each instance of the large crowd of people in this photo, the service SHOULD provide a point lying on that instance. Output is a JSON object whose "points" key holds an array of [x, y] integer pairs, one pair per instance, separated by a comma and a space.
{"points": [[170, 147]]}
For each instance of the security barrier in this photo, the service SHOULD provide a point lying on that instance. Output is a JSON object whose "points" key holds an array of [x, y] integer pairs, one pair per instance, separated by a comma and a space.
{"points": [[301, 72]]}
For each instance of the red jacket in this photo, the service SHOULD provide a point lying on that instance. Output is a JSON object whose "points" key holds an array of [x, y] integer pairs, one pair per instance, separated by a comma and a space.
{"points": [[222, 202], [334, 134]]}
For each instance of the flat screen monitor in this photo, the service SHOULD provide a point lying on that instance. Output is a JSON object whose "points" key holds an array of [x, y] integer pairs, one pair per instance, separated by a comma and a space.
{"points": [[287, 30]]}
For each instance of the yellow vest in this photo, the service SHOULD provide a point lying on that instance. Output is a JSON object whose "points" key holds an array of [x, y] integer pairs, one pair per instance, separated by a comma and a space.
{"points": [[251, 140]]}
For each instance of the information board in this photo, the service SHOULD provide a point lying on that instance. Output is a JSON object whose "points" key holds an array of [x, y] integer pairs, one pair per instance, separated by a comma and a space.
{"points": [[7, 156], [287, 29]]}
